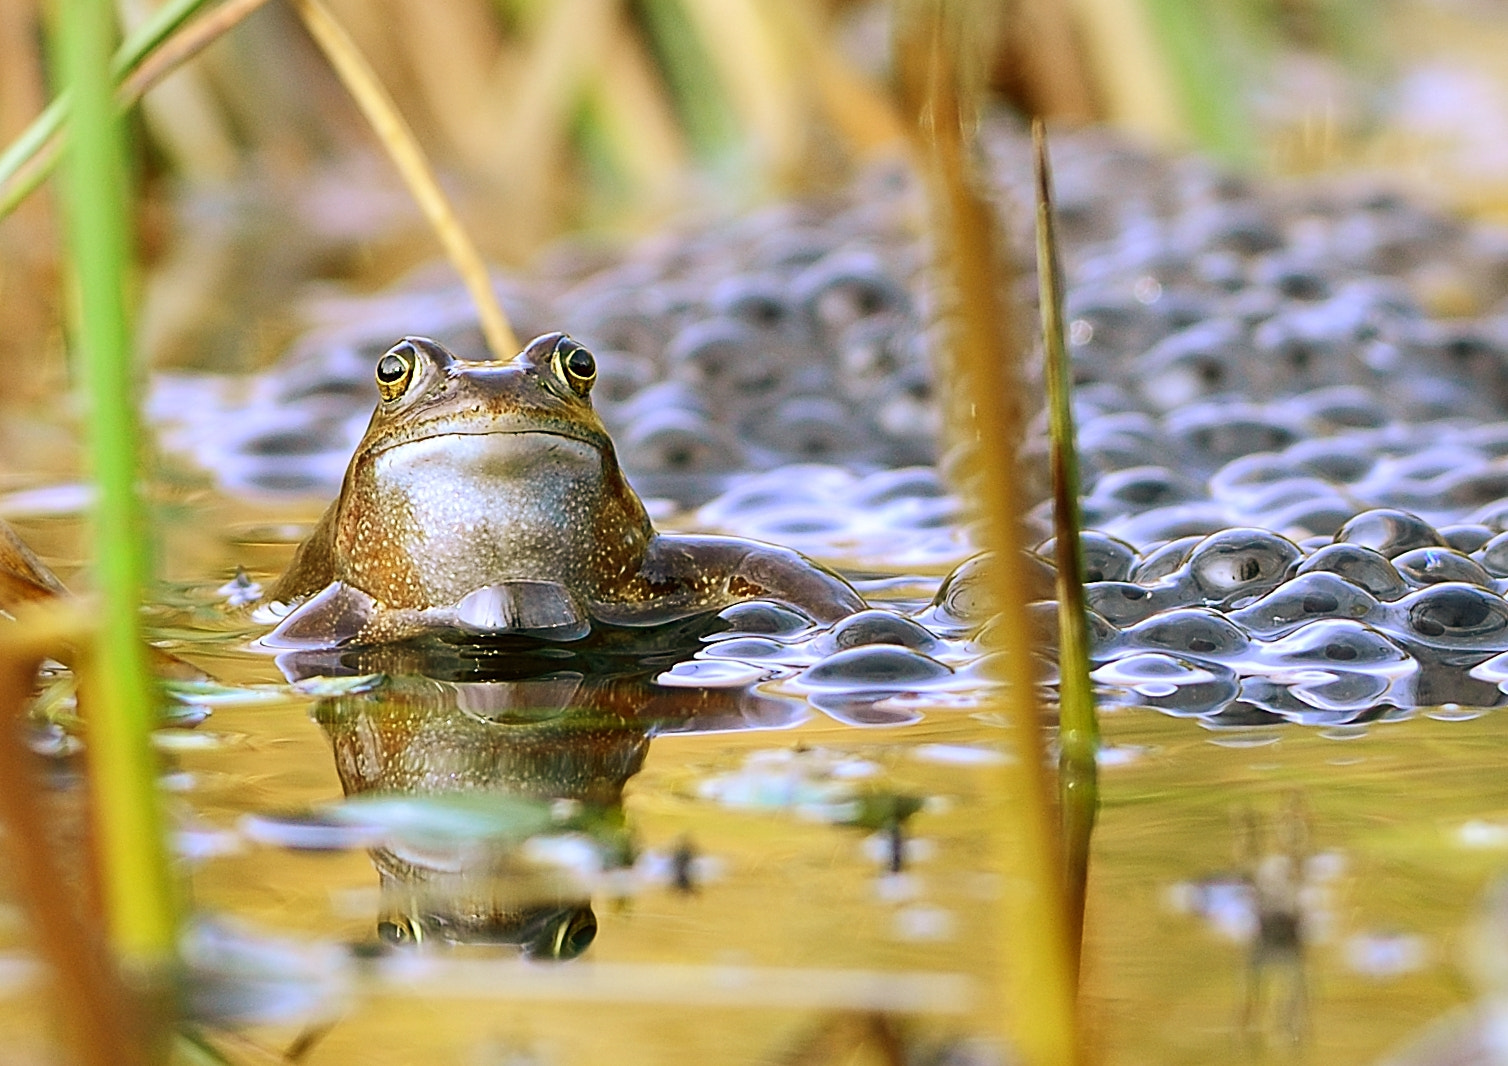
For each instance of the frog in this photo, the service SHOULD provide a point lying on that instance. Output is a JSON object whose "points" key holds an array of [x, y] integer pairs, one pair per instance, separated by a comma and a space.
{"points": [[485, 499]]}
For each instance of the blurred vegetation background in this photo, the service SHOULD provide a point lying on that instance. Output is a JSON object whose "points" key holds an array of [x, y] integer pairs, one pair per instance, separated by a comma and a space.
{"points": [[257, 176]]}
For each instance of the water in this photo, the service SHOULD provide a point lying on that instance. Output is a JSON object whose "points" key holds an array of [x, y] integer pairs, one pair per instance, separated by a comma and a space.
{"points": [[757, 913]]}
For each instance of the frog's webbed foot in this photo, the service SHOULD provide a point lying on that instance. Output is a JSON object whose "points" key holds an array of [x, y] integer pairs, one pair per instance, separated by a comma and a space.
{"points": [[685, 574], [342, 614]]}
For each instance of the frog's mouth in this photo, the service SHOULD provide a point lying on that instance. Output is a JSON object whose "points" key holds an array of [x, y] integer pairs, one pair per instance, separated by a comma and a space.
{"points": [[504, 453], [508, 436]]}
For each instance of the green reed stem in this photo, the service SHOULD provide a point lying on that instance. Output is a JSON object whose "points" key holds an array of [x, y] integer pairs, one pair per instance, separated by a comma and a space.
{"points": [[1078, 728], [117, 691], [983, 355]]}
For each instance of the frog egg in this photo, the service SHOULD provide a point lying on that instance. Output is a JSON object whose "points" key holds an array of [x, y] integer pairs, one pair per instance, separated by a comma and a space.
{"points": [[726, 361], [1240, 562], [1490, 439], [1340, 460], [875, 626], [1493, 555], [785, 248], [1316, 516], [1340, 407], [1242, 228], [1123, 603], [1493, 515], [846, 286], [760, 302], [1431, 566], [1212, 434], [1170, 684], [891, 486], [1164, 560], [1466, 537], [1291, 278], [1294, 356], [1389, 532], [811, 429], [1246, 476], [1361, 566], [1326, 699], [1304, 599], [875, 667], [963, 599], [1336, 644], [1191, 365], [1191, 632], [1105, 557], [1452, 616], [752, 649], [762, 618], [1480, 484], [674, 440], [1137, 489]]}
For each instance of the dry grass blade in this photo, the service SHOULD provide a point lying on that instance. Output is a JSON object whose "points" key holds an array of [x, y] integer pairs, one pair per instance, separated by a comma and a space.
{"points": [[33, 155], [399, 141], [1078, 729], [984, 360], [860, 114], [89, 994]]}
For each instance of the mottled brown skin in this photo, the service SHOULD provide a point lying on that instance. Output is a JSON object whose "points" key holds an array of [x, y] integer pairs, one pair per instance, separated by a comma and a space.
{"points": [[486, 498]]}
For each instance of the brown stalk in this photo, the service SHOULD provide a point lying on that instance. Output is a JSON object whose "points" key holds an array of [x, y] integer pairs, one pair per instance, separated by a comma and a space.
{"points": [[402, 146], [96, 1009]]}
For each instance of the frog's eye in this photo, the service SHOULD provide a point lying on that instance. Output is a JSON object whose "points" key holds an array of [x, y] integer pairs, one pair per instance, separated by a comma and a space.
{"points": [[401, 933], [395, 370], [575, 366]]}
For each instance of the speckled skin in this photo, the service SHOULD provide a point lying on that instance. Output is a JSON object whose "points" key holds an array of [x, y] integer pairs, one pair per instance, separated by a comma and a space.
{"points": [[487, 498]]}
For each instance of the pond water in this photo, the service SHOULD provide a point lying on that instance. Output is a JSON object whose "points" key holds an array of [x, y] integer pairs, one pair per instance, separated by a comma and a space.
{"points": [[756, 878]]}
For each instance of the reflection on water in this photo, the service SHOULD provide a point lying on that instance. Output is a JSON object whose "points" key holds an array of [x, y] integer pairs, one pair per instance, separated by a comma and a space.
{"points": [[565, 727]]}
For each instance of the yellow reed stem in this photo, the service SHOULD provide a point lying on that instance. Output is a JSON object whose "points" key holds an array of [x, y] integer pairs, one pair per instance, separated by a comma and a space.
{"points": [[983, 356], [403, 148]]}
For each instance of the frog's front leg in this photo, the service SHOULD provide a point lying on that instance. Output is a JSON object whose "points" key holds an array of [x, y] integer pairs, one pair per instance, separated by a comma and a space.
{"points": [[685, 574]]}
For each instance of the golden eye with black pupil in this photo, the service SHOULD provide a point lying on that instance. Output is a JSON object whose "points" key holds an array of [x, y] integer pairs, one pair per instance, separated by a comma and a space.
{"points": [[394, 371], [575, 366]]}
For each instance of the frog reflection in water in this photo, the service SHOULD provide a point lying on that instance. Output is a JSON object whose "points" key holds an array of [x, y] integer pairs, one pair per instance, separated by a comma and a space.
{"points": [[486, 500], [543, 724]]}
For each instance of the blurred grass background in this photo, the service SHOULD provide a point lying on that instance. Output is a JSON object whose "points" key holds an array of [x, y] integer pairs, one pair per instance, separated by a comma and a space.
{"points": [[256, 174]]}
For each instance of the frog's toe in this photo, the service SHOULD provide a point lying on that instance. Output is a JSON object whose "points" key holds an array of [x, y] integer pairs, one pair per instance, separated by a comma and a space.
{"points": [[336, 615], [536, 608]]}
